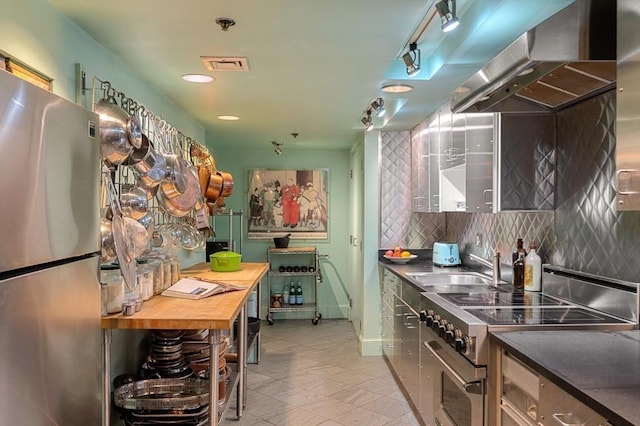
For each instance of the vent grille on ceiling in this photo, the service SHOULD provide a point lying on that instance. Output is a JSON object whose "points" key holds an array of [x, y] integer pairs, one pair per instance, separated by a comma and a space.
{"points": [[225, 63]]}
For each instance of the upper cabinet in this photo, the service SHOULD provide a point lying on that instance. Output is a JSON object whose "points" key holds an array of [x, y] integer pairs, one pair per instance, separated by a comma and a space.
{"points": [[627, 179], [452, 158], [484, 162]]}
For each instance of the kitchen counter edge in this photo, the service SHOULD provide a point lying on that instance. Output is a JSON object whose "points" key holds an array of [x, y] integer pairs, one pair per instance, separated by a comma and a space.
{"points": [[546, 351]]}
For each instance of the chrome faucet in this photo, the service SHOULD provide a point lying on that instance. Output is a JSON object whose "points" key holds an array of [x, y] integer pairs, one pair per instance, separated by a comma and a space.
{"points": [[494, 265]]}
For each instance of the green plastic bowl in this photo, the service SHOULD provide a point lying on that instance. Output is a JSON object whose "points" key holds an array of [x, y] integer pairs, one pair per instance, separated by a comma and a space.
{"points": [[225, 261]]}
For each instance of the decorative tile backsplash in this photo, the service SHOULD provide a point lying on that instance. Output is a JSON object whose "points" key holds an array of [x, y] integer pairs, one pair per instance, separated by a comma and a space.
{"points": [[583, 233]]}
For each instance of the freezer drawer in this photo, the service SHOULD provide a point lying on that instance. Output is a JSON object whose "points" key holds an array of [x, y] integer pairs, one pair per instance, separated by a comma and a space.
{"points": [[50, 347]]}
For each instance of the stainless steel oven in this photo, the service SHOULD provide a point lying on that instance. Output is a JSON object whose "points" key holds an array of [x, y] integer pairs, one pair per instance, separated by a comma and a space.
{"points": [[458, 317], [457, 387]]}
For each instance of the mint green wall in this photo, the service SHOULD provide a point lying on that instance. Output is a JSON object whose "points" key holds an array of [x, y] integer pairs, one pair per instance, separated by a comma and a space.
{"points": [[37, 34], [332, 300], [41, 37]]}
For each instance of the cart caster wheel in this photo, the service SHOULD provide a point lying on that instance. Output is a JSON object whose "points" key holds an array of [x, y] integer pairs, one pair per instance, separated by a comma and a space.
{"points": [[314, 321], [270, 321]]}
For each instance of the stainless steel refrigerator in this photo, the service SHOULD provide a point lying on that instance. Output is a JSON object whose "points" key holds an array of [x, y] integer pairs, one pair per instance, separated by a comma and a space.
{"points": [[50, 340]]}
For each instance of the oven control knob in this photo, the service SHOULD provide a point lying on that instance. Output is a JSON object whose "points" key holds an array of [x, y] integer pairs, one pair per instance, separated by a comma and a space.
{"points": [[449, 337], [449, 334], [461, 344], [442, 328], [429, 317], [435, 325], [423, 315]]}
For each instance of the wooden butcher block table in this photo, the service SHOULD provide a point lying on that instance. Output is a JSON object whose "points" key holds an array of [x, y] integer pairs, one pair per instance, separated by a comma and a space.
{"points": [[215, 313]]}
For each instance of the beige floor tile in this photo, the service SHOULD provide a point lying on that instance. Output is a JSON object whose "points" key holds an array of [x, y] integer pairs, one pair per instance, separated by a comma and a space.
{"points": [[314, 375]]}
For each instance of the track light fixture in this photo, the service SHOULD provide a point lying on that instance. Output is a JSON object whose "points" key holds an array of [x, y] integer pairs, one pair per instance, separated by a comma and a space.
{"points": [[447, 11], [412, 60], [378, 107], [277, 147], [367, 121]]}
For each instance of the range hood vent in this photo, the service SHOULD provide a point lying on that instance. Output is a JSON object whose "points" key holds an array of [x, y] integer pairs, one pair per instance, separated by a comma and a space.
{"points": [[565, 59]]}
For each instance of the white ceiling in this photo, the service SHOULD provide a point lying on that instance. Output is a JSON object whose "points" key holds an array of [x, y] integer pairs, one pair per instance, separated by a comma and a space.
{"points": [[314, 65]]}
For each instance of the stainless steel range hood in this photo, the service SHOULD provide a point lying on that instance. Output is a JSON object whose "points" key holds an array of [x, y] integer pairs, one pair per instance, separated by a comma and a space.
{"points": [[568, 57]]}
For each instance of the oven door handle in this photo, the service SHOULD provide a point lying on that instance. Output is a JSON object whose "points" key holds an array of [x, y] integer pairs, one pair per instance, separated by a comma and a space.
{"points": [[474, 387]]}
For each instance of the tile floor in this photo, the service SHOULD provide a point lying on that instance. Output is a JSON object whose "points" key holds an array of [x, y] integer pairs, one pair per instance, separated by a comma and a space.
{"points": [[312, 375]]}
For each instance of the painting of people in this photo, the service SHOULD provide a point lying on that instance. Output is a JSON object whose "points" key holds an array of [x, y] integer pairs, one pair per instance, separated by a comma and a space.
{"points": [[288, 202]]}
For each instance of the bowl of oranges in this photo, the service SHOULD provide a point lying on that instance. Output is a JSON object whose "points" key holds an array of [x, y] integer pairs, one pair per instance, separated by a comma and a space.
{"points": [[399, 255]]}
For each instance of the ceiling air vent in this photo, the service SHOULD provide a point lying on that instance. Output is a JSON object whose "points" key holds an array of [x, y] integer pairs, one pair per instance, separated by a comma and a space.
{"points": [[225, 63]]}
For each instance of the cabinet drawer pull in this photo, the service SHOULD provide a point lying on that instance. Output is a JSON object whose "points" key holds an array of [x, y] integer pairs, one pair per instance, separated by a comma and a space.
{"points": [[567, 420]]}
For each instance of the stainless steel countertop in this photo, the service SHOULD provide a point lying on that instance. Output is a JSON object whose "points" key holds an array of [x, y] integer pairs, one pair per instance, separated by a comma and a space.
{"points": [[599, 368]]}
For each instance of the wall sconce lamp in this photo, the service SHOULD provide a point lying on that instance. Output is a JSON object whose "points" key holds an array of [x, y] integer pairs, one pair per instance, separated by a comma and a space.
{"points": [[277, 147], [378, 107], [367, 121], [447, 11], [412, 60]]}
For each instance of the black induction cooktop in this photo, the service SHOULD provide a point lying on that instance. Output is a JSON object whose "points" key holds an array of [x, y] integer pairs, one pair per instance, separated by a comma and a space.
{"points": [[541, 315], [497, 298]]}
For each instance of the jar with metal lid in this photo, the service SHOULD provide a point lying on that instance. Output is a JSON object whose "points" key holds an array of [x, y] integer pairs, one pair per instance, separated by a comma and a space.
{"points": [[166, 266], [111, 289], [158, 274], [144, 277], [175, 269], [131, 292]]}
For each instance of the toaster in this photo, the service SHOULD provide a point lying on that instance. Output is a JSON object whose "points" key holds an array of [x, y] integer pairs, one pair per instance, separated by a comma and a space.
{"points": [[446, 254]]}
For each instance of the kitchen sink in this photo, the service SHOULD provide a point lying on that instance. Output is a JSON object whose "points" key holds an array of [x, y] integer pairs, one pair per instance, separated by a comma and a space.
{"points": [[450, 279]]}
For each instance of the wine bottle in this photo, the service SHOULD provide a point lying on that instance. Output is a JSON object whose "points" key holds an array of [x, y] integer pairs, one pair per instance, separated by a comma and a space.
{"points": [[518, 272], [299, 299], [292, 294], [519, 249]]}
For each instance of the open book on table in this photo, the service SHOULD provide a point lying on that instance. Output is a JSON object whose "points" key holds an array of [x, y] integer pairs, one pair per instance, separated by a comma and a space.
{"points": [[199, 288]]}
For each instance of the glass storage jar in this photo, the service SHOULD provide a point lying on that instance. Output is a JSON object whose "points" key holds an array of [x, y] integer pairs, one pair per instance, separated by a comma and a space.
{"points": [[112, 289]]}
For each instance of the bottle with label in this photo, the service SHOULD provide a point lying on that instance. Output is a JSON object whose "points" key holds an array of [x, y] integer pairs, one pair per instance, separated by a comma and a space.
{"points": [[533, 270], [299, 299], [518, 272], [519, 249], [285, 293], [292, 294]]}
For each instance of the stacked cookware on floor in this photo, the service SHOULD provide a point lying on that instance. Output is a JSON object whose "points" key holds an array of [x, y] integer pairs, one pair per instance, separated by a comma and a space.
{"points": [[173, 384]]}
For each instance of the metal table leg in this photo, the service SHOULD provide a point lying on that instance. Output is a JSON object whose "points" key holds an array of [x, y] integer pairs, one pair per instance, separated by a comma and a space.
{"points": [[242, 361], [214, 350], [106, 377]]}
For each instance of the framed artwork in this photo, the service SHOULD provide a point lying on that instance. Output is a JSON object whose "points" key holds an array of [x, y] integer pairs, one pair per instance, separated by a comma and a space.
{"points": [[292, 202]]}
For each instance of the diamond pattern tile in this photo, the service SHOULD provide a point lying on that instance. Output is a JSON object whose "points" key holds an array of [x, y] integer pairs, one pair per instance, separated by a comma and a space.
{"points": [[592, 236], [528, 162], [583, 233]]}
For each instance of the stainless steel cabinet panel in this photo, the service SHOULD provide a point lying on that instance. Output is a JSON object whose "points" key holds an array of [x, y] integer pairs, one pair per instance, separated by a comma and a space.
{"points": [[481, 137], [479, 185], [526, 162], [557, 407], [628, 108], [408, 328]]}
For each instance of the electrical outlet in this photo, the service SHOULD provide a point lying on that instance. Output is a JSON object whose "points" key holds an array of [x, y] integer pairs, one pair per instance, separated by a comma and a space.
{"points": [[478, 240]]}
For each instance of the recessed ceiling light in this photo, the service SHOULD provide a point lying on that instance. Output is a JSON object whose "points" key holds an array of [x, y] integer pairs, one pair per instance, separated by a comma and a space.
{"points": [[397, 88], [197, 78], [229, 117]]}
